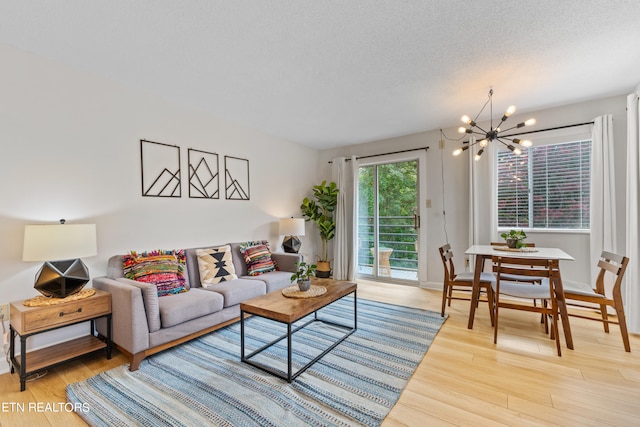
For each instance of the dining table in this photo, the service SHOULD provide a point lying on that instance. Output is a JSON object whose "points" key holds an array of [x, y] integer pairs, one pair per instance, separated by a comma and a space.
{"points": [[483, 252]]}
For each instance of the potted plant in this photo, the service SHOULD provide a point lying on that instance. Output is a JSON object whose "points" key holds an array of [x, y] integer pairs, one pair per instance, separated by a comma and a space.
{"points": [[303, 275], [321, 211], [514, 239]]}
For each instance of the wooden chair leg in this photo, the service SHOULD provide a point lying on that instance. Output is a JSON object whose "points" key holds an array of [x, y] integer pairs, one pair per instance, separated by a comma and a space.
{"points": [[622, 322], [490, 304], [496, 305], [445, 290], [605, 317], [554, 314]]}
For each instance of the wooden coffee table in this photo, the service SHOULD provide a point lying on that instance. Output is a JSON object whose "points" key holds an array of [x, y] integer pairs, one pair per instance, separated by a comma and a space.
{"points": [[275, 306]]}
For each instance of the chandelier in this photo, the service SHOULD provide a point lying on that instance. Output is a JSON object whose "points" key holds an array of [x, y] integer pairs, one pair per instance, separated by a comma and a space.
{"points": [[493, 134]]}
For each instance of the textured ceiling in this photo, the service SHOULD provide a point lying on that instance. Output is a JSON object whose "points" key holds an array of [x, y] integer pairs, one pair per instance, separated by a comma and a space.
{"points": [[330, 73]]}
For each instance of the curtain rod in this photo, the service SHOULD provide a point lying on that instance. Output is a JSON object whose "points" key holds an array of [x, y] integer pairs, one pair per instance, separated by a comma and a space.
{"points": [[555, 128], [385, 154]]}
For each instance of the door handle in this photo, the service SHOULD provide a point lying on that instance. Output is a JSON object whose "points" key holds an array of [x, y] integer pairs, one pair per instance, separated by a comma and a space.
{"points": [[416, 221]]}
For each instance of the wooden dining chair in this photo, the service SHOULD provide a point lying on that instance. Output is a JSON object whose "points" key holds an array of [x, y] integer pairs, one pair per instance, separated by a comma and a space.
{"points": [[462, 282], [545, 291], [579, 294], [528, 279], [521, 278]]}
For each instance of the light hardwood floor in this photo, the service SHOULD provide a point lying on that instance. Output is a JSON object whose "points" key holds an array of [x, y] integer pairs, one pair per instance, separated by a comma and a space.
{"points": [[464, 379]]}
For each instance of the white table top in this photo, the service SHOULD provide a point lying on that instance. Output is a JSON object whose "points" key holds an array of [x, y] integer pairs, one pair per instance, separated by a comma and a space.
{"points": [[534, 252]]}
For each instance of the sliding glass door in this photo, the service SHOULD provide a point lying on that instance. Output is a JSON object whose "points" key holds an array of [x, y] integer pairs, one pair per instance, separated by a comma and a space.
{"points": [[388, 223]]}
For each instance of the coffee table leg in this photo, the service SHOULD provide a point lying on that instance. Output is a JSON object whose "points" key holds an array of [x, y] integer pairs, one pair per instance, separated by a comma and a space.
{"points": [[289, 352], [355, 310], [242, 336]]}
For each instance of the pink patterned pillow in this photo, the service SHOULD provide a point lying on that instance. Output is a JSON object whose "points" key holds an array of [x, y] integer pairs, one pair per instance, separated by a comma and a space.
{"points": [[258, 260], [165, 269]]}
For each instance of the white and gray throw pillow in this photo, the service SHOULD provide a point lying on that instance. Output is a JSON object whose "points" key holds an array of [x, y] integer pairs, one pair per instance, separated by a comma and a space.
{"points": [[215, 265]]}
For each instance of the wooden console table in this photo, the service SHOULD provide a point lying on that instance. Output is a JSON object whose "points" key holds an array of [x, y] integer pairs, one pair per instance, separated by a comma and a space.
{"points": [[28, 321]]}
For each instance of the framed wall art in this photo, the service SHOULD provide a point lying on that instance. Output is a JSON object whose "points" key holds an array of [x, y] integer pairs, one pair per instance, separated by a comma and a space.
{"points": [[204, 175], [236, 178], [160, 169]]}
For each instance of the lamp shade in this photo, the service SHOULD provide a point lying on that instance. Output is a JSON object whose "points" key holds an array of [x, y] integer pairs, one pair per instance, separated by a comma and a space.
{"points": [[292, 227], [59, 242], [60, 246]]}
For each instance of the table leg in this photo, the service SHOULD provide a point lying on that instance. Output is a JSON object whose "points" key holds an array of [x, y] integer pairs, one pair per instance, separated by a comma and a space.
{"points": [[355, 310], [23, 363], [242, 336], [289, 352], [475, 292], [109, 332], [564, 314], [12, 348]]}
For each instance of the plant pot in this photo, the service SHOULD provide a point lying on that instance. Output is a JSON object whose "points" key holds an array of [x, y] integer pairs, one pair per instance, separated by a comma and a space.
{"points": [[324, 269], [304, 285], [512, 243]]}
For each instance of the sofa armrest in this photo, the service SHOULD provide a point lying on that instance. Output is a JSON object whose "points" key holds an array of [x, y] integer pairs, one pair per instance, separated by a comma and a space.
{"points": [[129, 321], [150, 301], [286, 261]]}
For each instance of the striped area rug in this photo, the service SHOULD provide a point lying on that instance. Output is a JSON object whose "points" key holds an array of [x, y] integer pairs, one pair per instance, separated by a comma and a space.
{"points": [[203, 382]]}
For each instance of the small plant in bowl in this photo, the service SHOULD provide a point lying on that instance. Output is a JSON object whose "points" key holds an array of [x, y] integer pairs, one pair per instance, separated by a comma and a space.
{"points": [[303, 275], [515, 239]]}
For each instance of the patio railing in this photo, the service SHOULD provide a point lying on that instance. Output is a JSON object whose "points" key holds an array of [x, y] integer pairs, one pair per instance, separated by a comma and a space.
{"points": [[396, 233]]}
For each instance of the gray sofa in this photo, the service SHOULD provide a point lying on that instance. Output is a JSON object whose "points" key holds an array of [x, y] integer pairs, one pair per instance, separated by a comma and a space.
{"points": [[144, 324]]}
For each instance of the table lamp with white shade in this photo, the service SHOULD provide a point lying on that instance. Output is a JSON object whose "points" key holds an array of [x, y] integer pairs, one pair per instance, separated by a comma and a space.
{"points": [[291, 228], [61, 246]]}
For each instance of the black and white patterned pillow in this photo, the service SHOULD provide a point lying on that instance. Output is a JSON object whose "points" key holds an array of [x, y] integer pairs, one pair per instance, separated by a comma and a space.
{"points": [[215, 265]]}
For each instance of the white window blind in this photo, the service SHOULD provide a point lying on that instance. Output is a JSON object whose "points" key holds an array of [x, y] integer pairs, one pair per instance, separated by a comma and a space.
{"points": [[547, 187]]}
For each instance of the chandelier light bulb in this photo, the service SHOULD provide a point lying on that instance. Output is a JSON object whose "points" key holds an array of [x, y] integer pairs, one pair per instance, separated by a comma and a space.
{"points": [[484, 142], [517, 151], [526, 143], [462, 129], [465, 119], [479, 154], [510, 111], [530, 122], [457, 151]]}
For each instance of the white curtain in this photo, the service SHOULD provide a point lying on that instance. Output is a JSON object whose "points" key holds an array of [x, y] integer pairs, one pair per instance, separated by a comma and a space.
{"points": [[474, 194], [603, 192], [483, 221], [343, 174], [631, 294]]}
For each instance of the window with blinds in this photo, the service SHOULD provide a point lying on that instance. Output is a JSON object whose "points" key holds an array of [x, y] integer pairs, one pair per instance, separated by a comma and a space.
{"points": [[547, 187]]}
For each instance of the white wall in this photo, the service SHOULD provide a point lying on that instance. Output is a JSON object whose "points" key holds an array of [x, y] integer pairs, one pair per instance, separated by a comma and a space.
{"points": [[70, 149], [456, 183]]}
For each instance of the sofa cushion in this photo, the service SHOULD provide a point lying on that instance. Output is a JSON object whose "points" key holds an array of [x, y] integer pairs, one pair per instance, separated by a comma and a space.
{"points": [[182, 307], [215, 265], [258, 260], [239, 290], [274, 280], [150, 300], [165, 269]]}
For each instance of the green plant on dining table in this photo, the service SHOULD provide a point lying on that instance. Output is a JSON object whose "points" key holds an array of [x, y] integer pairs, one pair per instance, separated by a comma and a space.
{"points": [[514, 239]]}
